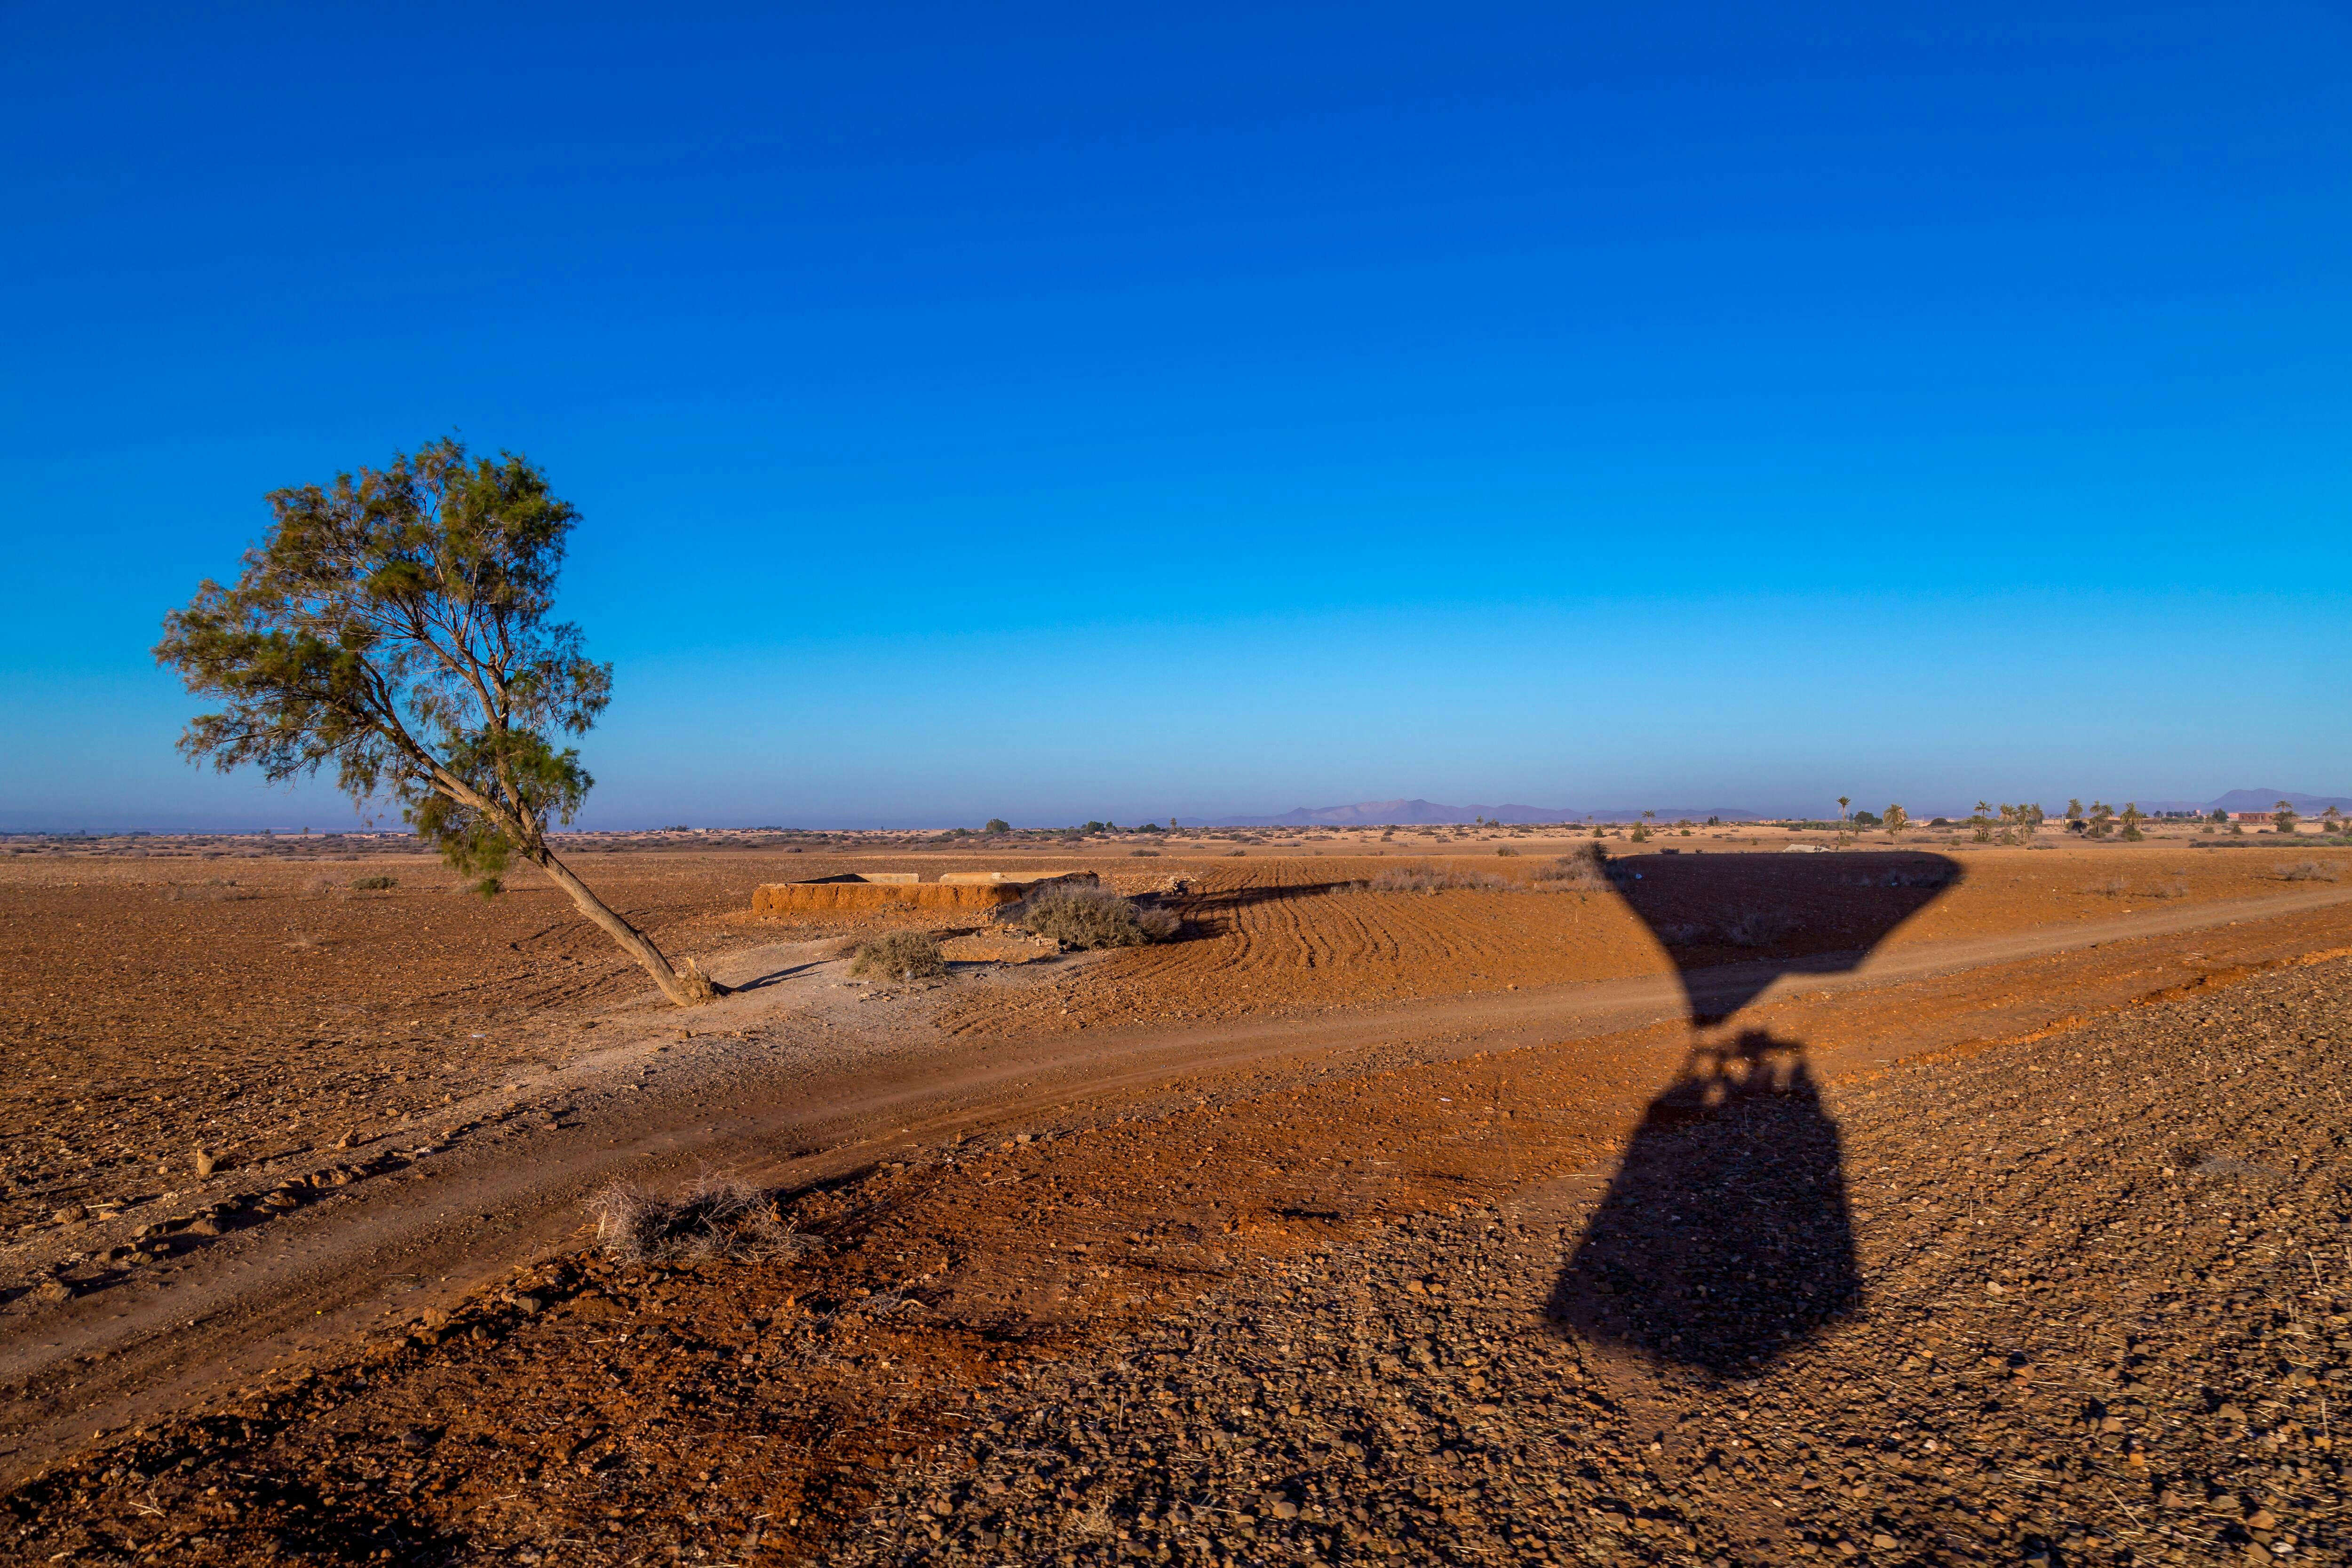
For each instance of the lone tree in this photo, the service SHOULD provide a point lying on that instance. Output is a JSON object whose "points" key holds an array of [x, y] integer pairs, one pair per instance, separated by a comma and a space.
{"points": [[1896, 818], [2284, 818], [396, 626]]}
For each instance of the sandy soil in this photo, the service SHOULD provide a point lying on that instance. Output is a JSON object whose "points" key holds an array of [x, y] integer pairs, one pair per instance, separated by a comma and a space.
{"points": [[1287, 1089]]}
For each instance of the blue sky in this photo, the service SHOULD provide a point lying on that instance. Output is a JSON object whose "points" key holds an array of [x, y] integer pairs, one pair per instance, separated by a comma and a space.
{"points": [[1054, 413]]}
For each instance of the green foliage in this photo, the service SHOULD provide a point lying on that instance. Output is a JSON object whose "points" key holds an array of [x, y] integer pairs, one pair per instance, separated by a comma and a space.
{"points": [[2131, 820], [396, 626], [2285, 818], [997, 825]]}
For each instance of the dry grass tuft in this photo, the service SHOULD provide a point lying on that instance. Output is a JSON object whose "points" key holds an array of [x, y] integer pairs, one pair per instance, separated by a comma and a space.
{"points": [[1437, 879], [900, 956], [2306, 870], [714, 1216], [1584, 871]]}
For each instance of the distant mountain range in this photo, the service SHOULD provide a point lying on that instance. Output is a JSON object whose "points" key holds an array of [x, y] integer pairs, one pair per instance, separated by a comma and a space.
{"points": [[1431, 813], [1419, 813], [2268, 800]]}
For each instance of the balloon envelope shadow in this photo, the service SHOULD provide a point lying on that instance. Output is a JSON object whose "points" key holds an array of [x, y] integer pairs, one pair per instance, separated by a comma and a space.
{"points": [[1725, 1236]]}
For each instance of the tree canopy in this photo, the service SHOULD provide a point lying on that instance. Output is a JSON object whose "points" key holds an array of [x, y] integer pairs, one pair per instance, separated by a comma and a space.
{"points": [[398, 625]]}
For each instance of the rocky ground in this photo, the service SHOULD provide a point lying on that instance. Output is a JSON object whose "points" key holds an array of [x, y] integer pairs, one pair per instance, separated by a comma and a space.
{"points": [[2077, 1299], [2100, 1316]]}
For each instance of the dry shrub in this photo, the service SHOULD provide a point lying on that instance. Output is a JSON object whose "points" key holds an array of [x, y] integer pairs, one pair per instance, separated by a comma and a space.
{"points": [[1437, 879], [714, 1216], [1094, 917], [374, 884], [2166, 889], [2307, 871], [1684, 932], [2113, 887], [900, 956], [1758, 927], [1585, 869]]}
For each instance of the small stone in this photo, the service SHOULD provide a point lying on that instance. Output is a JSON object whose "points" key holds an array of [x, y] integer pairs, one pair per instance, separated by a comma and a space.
{"points": [[1285, 1508], [205, 1163], [2262, 1519], [529, 1306], [53, 1291], [1884, 1541], [71, 1214], [2231, 1413], [207, 1225]]}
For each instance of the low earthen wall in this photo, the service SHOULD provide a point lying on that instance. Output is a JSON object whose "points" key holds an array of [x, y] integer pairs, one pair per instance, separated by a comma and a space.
{"points": [[813, 897]]}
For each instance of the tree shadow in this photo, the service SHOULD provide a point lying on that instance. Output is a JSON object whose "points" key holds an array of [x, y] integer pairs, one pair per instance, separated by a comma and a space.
{"points": [[1726, 1236]]}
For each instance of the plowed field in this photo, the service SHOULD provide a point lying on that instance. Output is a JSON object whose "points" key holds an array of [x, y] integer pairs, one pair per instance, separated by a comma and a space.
{"points": [[1287, 1258]]}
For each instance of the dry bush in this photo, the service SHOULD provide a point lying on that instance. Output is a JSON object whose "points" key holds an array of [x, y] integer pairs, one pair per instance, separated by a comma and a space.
{"points": [[1437, 879], [1758, 927], [2113, 887], [900, 956], [1684, 932], [2306, 870], [1505, 850], [1158, 922], [1093, 917], [1585, 869], [1143, 854], [2166, 889], [374, 884], [715, 1217]]}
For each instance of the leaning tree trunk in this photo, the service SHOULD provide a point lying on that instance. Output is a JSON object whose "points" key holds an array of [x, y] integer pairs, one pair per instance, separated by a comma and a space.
{"points": [[685, 985]]}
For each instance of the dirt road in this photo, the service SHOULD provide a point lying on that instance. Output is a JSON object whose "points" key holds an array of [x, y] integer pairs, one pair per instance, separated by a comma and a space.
{"points": [[797, 1080]]}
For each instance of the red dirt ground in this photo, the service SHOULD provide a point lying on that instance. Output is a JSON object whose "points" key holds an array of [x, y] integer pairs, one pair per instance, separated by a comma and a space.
{"points": [[762, 1410]]}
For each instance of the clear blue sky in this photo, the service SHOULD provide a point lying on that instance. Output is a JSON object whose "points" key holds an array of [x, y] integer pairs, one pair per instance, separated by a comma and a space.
{"points": [[1069, 413]]}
